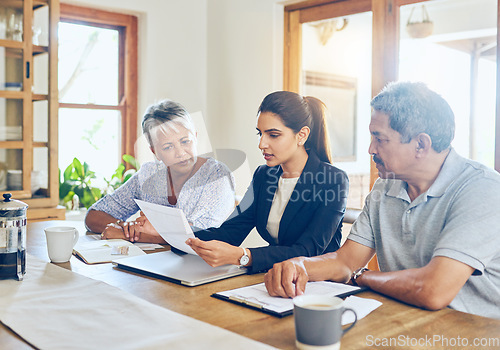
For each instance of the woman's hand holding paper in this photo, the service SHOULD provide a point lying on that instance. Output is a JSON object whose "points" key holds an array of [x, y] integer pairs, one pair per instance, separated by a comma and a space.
{"points": [[216, 253]]}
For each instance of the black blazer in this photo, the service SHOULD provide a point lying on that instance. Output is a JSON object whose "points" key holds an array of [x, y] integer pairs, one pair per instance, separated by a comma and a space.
{"points": [[311, 223]]}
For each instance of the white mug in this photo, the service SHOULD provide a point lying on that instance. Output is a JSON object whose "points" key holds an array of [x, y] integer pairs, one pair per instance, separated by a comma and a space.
{"points": [[60, 242], [318, 321]]}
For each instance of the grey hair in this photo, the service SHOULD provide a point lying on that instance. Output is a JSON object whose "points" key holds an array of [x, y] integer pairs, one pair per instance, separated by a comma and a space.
{"points": [[164, 114], [413, 108]]}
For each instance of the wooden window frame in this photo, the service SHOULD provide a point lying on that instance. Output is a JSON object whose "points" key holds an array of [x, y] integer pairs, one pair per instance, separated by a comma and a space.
{"points": [[385, 14], [128, 80]]}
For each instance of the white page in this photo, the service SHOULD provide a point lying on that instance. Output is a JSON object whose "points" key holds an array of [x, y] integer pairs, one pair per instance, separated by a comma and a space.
{"points": [[101, 251], [170, 223], [257, 294]]}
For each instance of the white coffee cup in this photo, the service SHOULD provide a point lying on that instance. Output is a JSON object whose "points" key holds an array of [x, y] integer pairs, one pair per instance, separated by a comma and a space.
{"points": [[60, 242], [318, 321]]}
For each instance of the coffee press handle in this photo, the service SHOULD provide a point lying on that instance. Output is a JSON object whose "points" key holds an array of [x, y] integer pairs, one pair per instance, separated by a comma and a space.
{"points": [[355, 320], [77, 236]]}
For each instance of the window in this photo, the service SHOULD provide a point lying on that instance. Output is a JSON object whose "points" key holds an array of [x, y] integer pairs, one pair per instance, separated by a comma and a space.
{"points": [[97, 87], [458, 60]]}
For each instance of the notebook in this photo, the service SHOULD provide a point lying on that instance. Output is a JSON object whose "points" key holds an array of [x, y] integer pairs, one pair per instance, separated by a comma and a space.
{"points": [[103, 251], [257, 297], [186, 269]]}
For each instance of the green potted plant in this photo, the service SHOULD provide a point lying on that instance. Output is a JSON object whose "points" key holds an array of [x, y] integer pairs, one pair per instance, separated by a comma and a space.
{"points": [[77, 181], [76, 187], [120, 176]]}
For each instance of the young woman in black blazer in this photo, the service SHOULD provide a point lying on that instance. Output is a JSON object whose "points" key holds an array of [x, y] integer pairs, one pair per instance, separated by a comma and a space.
{"points": [[296, 201]]}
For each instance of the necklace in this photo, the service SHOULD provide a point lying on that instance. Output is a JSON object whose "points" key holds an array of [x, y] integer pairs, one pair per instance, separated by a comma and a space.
{"points": [[171, 197]]}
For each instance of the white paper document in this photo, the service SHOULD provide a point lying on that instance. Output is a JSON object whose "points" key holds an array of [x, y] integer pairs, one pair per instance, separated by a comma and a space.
{"points": [[170, 223], [257, 295], [362, 306]]}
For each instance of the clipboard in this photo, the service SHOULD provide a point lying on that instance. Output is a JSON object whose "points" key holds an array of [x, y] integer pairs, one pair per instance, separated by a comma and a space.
{"points": [[256, 296]]}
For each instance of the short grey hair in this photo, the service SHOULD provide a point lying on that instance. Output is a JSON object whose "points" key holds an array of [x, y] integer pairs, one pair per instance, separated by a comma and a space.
{"points": [[413, 108], [164, 114]]}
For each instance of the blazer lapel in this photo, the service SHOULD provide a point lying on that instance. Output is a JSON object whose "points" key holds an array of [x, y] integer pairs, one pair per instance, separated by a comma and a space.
{"points": [[267, 195], [299, 196]]}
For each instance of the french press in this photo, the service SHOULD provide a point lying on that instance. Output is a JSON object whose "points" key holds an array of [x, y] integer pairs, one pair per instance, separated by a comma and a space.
{"points": [[12, 238]]}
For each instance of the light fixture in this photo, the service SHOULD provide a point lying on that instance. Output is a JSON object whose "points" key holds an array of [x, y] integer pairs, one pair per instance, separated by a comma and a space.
{"points": [[325, 29], [420, 29]]}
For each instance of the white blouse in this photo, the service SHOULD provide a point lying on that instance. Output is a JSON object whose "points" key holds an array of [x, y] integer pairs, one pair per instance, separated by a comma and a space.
{"points": [[280, 200]]}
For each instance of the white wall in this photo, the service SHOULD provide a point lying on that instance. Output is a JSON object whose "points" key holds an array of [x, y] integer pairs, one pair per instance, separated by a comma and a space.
{"points": [[172, 48], [245, 55], [220, 57]]}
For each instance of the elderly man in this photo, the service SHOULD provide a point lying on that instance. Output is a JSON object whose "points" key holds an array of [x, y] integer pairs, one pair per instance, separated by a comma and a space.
{"points": [[432, 218]]}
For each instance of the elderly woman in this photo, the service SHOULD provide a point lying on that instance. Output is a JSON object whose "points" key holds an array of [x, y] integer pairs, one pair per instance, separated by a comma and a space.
{"points": [[202, 188]]}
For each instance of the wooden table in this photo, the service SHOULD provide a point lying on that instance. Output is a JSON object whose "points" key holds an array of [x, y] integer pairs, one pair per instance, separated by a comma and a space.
{"points": [[405, 326]]}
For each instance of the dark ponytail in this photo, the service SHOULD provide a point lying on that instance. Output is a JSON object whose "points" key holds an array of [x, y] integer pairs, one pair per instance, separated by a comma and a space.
{"points": [[319, 140], [296, 112]]}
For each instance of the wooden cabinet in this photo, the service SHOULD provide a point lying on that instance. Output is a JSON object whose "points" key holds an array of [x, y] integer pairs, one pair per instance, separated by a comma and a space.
{"points": [[29, 104]]}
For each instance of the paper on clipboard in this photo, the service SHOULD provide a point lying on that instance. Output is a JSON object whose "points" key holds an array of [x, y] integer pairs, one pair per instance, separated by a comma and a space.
{"points": [[170, 223]]}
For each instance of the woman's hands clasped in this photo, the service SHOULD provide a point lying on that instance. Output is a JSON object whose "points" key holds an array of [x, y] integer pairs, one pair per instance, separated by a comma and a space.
{"points": [[129, 230], [133, 231]]}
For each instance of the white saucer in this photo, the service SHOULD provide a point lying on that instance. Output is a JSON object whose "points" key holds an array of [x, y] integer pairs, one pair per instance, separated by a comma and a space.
{"points": [[302, 346]]}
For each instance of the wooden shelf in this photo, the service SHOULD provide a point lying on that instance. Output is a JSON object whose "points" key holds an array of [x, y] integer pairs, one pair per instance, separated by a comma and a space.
{"points": [[40, 3], [39, 97], [16, 95], [18, 4], [11, 144], [11, 44], [40, 144], [37, 50], [44, 214]]}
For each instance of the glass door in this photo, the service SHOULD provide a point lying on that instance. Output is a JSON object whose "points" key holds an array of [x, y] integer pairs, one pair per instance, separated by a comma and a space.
{"points": [[28, 148], [451, 45], [13, 84], [334, 63]]}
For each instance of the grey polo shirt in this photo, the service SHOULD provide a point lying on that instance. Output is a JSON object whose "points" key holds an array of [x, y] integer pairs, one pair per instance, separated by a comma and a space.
{"points": [[458, 217]]}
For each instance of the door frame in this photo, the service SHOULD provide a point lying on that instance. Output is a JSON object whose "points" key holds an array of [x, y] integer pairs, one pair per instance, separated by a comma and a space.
{"points": [[385, 45]]}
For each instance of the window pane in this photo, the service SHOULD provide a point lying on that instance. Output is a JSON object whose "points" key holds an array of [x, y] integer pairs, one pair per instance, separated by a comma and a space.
{"points": [[92, 136], [11, 69], [11, 119], [336, 68], [88, 64], [40, 173], [457, 59], [11, 22], [41, 26], [41, 73], [41, 121], [11, 174]]}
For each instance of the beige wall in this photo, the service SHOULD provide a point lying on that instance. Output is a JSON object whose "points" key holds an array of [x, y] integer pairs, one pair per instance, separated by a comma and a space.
{"points": [[172, 48], [220, 57]]}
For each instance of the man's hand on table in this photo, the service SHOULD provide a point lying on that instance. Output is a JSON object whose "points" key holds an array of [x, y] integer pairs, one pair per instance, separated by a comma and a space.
{"points": [[287, 279]]}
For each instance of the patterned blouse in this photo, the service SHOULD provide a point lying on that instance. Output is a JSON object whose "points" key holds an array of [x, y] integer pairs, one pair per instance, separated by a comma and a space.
{"points": [[207, 198]]}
